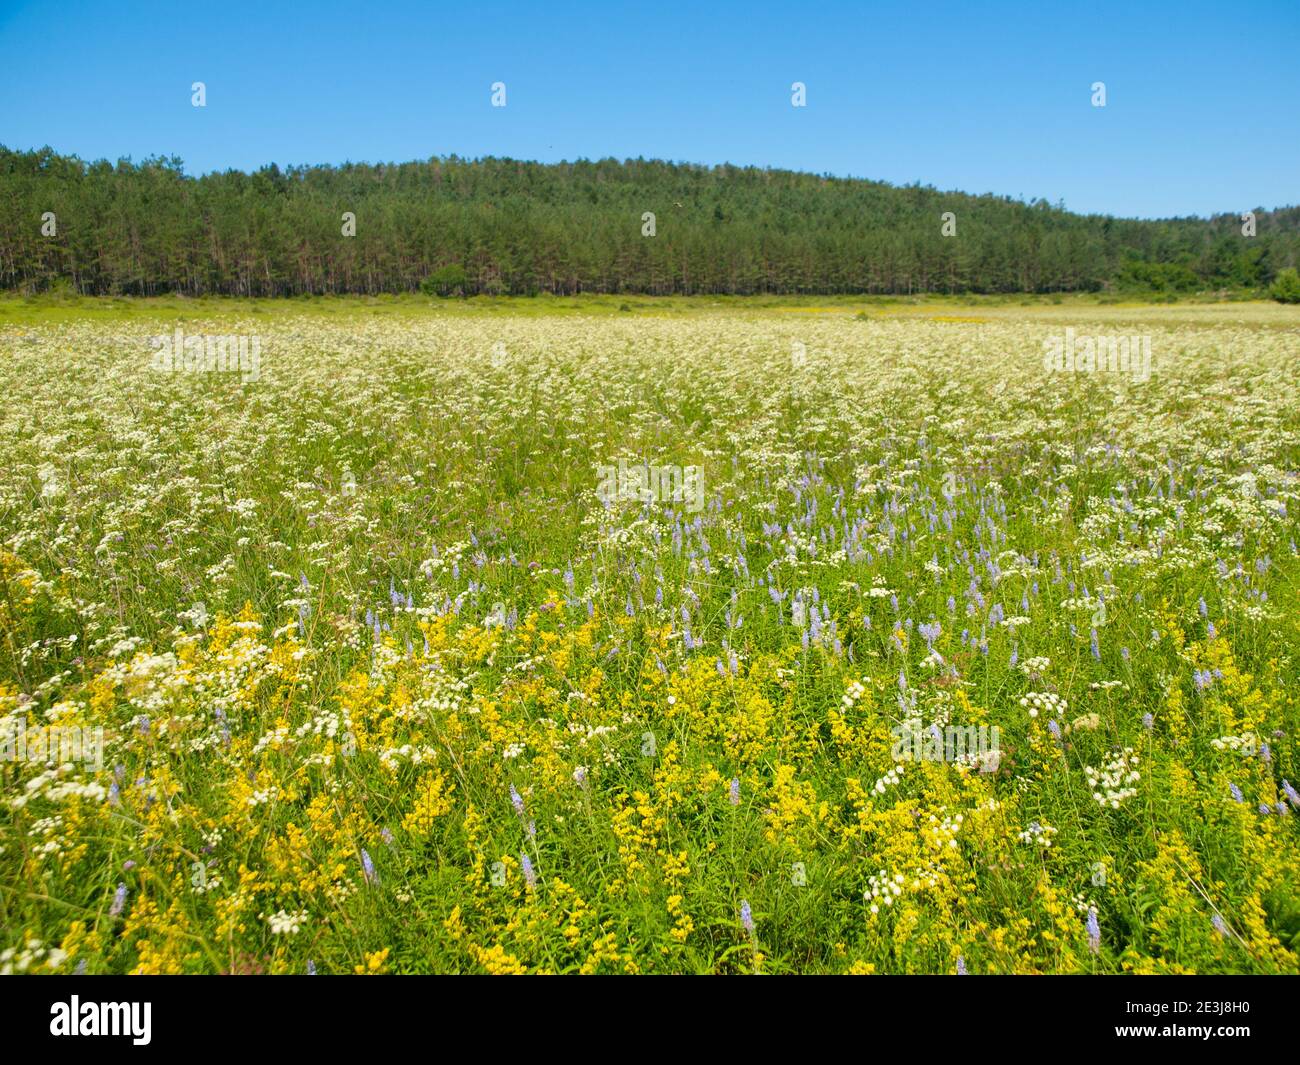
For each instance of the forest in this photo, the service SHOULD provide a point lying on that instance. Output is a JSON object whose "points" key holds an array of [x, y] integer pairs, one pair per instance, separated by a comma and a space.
{"points": [[454, 226]]}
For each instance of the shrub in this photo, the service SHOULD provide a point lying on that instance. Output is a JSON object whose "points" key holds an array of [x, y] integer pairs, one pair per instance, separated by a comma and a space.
{"points": [[1286, 287], [449, 280]]}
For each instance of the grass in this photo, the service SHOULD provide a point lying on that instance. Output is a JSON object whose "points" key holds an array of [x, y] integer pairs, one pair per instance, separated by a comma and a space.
{"points": [[55, 308], [385, 685]]}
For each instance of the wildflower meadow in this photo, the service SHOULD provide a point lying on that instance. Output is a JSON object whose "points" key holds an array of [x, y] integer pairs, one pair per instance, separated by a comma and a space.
{"points": [[368, 636]]}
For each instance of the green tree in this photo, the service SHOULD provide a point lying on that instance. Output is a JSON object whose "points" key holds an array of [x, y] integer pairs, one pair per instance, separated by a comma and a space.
{"points": [[1286, 287], [449, 280], [451, 225]]}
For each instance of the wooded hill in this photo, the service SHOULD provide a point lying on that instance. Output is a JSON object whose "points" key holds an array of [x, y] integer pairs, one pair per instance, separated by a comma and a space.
{"points": [[503, 226]]}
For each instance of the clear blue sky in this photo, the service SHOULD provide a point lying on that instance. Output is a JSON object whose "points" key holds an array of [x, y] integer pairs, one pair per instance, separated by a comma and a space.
{"points": [[1202, 115]]}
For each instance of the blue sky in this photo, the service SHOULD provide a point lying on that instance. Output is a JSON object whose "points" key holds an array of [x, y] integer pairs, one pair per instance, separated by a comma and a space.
{"points": [[1202, 110]]}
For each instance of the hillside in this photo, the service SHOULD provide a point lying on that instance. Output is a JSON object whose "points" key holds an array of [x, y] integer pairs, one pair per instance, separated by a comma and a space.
{"points": [[504, 226]]}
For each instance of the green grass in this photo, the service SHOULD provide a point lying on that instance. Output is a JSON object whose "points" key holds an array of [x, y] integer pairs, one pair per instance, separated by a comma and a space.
{"points": [[309, 717], [52, 308]]}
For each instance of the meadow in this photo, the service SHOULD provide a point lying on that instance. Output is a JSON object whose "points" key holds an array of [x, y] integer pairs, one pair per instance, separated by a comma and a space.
{"points": [[388, 680]]}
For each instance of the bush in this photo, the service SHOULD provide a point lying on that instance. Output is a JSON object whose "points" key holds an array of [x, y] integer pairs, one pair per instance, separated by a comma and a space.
{"points": [[1286, 287], [1157, 277], [447, 280]]}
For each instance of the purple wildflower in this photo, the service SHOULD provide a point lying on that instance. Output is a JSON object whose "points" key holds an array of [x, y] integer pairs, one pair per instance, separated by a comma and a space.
{"points": [[119, 900]]}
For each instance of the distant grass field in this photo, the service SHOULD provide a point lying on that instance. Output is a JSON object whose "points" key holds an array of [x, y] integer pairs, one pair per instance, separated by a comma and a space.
{"points": [[908, 655], [49, 308]]}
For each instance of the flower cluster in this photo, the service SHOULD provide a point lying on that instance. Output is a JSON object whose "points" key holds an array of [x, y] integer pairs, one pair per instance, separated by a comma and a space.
{"points": [[1046, 702], [1113, 782]]}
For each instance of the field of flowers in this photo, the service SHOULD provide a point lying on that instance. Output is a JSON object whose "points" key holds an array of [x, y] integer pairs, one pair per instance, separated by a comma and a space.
{"points": [[389, 679]]}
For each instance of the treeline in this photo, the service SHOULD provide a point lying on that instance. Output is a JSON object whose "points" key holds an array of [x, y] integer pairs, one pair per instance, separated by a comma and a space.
{"points": [[523, 228]]}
